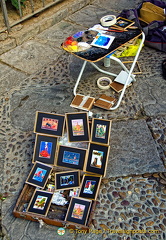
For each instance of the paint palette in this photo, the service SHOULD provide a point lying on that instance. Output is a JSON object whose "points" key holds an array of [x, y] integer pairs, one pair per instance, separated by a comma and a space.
{"points": [[80, 41]]}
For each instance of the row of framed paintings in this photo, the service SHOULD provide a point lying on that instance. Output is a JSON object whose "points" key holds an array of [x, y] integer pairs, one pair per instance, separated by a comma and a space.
{"points": [[89, 186], [77, 125], [93, 160], [77, 212]]}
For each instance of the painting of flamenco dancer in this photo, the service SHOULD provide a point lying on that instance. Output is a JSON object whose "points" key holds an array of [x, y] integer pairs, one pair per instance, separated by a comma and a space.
{"points": [[39, 174], [49, 124], [45, 149], [78, 211], [89, 187], [77, 127]]}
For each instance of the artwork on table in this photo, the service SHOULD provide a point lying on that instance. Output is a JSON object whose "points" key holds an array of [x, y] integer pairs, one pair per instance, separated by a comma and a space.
{"points": [[39, 174], [100, 132], [49, 124], [40, 202], [78, 210], [123, 23], [71, 157], [67, 180], [77, 127], [97, 159], [45, 148], [102, 41], [90, 186]]}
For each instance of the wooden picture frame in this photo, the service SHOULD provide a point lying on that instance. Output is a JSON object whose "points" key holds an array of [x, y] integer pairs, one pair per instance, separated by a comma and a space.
{"points": [[39, 174], [78, 210], [71, 157], [45, 149], [123, 23], [97, 159], [67, 180], [100, 132], [49, 124], [77, 127], [90, 186], [40, 202]]}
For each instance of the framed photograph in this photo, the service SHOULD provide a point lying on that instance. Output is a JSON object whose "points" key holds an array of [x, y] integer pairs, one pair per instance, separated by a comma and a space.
{"points": [[123, 23], [49, 124], [67, 180], [77, 127], [97, 159], [40, 202], [78, 210], [71, 157], [90, 186], [45, 148], [39, 174], [100, 132]]}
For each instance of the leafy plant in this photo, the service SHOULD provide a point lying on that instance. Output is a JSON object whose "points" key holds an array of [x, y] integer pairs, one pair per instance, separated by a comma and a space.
{"points": [[15, 3]]}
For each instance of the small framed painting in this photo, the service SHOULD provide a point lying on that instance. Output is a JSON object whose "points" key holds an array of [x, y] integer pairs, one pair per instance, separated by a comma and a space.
{"points": [[40, 202], [97, 159], [45, 148], [67, 180], [101, 131], [49, 124], [90, 186], [123, 23], [39, 174], [78, 210], [77, 127], [71, 157]]}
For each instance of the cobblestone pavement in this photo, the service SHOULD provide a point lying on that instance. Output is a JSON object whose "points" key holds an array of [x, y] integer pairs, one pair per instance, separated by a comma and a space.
{"points": [[39, 76]]}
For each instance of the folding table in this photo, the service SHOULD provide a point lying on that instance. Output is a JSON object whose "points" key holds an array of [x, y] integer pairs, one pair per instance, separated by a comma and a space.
{"points": [[95, 54]]}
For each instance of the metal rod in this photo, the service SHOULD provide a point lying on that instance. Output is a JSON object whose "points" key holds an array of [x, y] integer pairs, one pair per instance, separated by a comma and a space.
{"points": [[43, 3], [5, 15], [19, 7], [32, 5], [130, 72]]}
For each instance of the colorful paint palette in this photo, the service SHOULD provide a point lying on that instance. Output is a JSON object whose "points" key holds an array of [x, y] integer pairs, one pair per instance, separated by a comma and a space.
{"points": [[80, 41]]}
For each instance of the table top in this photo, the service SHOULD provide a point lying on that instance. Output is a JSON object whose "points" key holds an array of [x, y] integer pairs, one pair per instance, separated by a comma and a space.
{"points": [[94, 54]]}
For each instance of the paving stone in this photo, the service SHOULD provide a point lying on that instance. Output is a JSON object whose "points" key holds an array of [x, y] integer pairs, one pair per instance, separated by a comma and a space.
{"points": [[130, 151], [27, 55], [47, 99], [10, 78], [55, 35]]}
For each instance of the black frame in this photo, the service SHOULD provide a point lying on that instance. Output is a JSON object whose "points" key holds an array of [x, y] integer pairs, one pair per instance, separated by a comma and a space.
{"points": [[128, 22], [107, 130], [81, 201], [48, 131], [42, 180], [96, 149], [89, 195], [38, 142], [76, 179], [45, 209], [76, 117], [78, 151]]}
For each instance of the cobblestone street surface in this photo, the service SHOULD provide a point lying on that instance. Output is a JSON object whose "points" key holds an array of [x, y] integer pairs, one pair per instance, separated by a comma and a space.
{"points": [[38, 75]]}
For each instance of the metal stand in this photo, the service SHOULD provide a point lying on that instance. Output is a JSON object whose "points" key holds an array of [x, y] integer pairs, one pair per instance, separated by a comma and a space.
{"points": [[112, 74]]}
